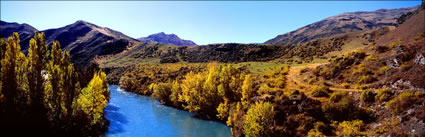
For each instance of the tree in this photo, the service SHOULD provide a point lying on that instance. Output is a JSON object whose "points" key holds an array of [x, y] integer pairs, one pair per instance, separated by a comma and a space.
{"points": [[223, 110], [162, 92], [42, 90], [192, 91], [37, 62], [175, 92], [3, 46], [258, 119], [9, 68], [247, 90], [93, 98]]}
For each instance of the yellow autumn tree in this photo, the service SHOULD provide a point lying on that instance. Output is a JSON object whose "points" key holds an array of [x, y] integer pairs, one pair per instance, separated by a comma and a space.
{"points": [[247, 90], [258, 119], [93, 98]]}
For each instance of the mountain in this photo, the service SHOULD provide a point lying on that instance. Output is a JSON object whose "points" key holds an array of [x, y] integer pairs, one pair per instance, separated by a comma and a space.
{"points": [[343, 23], [82, 39], [168, 39], [85, 40], [26, 32]]}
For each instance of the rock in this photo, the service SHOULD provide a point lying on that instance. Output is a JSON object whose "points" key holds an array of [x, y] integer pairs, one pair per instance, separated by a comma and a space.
{"points": [[400, 49], [394, 62], [420, 59], [404, 84]]}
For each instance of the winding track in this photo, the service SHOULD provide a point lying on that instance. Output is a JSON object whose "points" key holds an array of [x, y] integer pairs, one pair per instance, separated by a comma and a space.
{"points": [[294, 80]]}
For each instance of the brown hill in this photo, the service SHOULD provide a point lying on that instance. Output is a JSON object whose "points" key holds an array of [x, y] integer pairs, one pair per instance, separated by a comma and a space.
{"points": [[343, 23]]}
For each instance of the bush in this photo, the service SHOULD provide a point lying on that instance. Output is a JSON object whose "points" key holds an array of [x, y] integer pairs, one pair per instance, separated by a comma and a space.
{"points": [[383, 94], [320, 91], [359, 86], [384, 70], [345, 85], [161, 91], [258, 119], [371, 58], [315, 133], [366, 79], [381, 49], [368, 96], [350, 128], [404, 67], [418, 38], [340, 107], [337, 96], [402, 102], [321, 127]]}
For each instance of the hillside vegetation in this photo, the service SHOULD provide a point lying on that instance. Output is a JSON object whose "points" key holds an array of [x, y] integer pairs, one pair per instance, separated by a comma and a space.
{"points": [[365, 83]]}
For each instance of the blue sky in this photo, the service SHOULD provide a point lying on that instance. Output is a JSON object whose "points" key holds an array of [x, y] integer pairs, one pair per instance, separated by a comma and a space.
{"points": [[204, 22]]}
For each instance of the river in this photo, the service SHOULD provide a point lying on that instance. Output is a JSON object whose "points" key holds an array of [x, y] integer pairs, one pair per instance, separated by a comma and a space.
{"points": [[133, 115]]}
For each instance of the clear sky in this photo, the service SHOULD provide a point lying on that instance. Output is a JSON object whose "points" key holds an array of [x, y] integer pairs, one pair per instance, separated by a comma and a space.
{"points": [[204, 22]]}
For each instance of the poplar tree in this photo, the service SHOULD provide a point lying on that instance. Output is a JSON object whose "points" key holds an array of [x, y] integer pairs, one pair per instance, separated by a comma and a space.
{"points": [[9, 67], [37, 60]]}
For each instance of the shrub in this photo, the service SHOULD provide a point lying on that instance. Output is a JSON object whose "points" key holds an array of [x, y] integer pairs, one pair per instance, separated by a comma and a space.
{"points": [[320, 91], [371, 58], [337, 96], [345, 85], [359, 86], [315, 133], [350, 128], [161, 91], [368, 96], [393, 44], [321, 127], [258, 119], [341, 107], [400, 103], [384, 70], [404, 67], [366, 79], [418, 38], [383, 94], [381, 49]]}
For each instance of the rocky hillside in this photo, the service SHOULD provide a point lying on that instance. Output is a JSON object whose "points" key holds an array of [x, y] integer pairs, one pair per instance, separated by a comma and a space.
{"points": [[168, 39], [85, 40], [343, 23], [25, 31]]}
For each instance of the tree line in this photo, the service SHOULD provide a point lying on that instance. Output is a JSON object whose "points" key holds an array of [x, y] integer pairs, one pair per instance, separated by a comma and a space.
{"points": [[42, 93]]}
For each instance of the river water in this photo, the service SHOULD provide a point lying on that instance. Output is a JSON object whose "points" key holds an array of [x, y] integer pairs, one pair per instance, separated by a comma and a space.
{"points": [[133, 115]]}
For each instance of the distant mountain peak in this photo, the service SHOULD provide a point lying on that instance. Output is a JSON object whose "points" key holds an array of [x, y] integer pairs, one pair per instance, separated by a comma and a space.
{"points": [[168, 39]]}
